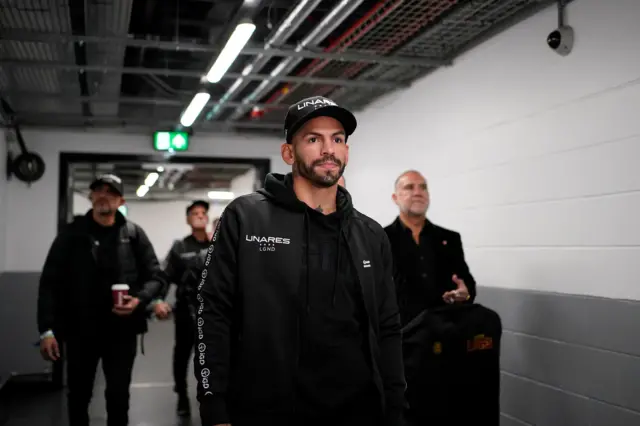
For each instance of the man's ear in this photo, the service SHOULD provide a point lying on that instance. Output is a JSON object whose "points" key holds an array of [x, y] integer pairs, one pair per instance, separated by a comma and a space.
{"points": [[394, 198], [286, 150], [122, 201]]}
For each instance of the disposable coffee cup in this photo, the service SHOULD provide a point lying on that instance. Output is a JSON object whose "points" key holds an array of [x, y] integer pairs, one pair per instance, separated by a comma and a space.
{"points": [[118, 291]]}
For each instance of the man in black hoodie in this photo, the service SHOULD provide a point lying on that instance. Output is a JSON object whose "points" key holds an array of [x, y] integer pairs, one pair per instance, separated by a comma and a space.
{"points": [[298, 322], [75, 303]]}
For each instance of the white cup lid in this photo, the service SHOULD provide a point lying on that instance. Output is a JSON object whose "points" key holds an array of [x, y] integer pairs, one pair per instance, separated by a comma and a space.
{"points": [[120, 287]]}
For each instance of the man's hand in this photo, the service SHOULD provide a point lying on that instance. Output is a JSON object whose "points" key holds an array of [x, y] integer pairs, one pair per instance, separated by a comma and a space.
{"points": [[130, 304], [460, 294], [162, 310], [49, 349]]}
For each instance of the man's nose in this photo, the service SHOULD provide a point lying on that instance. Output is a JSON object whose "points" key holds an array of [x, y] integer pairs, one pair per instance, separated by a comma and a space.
{"points": [[328, 147]]}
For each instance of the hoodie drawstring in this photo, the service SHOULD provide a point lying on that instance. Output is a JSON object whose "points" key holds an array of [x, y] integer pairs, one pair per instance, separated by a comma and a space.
{"points": [[335, 273]]}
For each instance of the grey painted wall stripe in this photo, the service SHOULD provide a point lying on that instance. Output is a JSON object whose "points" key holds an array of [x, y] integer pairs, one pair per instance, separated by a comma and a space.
{"points": [[567, 360], [589, 321], [507, 420], [597, 374], [577, 345]]}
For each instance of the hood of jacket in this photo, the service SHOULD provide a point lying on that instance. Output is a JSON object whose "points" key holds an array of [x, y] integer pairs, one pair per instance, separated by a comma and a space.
{"points": [[279, 189]]}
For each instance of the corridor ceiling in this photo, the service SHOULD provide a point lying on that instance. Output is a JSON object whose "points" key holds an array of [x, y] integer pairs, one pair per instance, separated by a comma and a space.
{"points": [[176, 181], [136, 64]]}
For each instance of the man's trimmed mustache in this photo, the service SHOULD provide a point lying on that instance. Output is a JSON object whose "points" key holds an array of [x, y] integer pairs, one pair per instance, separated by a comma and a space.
{"points": [[328, 159]]}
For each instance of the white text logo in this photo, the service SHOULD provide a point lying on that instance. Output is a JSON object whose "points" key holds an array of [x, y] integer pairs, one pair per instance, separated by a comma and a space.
{"points": [[267, 243], [316, 103]]}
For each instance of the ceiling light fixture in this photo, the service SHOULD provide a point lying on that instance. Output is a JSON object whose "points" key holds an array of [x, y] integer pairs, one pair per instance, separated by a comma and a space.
{"points": [[239, 38], [142, 191], [151, 179], [194, 109], [220, 195]]}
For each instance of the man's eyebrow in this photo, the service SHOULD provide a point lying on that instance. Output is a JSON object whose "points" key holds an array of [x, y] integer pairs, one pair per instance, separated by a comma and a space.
{"points": [[339, 132]]}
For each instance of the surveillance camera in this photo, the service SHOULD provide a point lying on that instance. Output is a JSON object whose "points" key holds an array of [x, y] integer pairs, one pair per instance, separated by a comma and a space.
{"points": [[561, 40]]}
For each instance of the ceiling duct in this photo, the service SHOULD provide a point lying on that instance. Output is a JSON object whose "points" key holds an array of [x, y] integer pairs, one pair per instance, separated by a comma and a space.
{"points": [[110, 18], [330, 22], [280, 36]]}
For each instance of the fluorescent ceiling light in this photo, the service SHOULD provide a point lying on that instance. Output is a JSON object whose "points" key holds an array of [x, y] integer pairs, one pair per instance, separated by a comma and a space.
{"points": [[231, 50], [220, 195], [142, 191], [194, 109], [151, 179]]}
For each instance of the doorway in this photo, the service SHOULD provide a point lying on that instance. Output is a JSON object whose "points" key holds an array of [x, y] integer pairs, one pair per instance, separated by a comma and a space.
{"points": [[157, 191]]}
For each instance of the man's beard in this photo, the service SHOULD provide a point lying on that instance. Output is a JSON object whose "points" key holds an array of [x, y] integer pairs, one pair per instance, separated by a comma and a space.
{"points": [[308, 172]]}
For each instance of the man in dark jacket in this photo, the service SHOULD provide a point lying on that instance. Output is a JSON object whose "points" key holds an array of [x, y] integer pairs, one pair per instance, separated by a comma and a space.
{"points": [[75, 302], [185, 263], [298, 322], [429, 265], [430, 272]]}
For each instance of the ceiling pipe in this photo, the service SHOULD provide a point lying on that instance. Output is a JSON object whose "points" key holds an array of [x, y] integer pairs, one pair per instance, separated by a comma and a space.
{"points": [[330, 22], [354, 33], [292, 21]]}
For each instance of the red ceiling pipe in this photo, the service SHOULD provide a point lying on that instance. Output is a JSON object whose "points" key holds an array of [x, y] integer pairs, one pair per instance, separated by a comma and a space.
{"points": [[340, 44]]}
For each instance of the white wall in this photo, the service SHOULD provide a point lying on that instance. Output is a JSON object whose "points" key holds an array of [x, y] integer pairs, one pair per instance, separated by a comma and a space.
{"points": [[33, 210], [80, 204], [245, 183], [3, 199], [533, 157]]}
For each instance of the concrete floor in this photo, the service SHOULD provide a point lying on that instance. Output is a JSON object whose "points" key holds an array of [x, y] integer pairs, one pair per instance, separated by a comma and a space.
{"points": [[153, 402]]}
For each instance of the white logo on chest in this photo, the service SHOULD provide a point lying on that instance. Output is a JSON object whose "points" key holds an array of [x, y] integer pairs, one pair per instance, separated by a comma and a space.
{"points": [[267, 243]]}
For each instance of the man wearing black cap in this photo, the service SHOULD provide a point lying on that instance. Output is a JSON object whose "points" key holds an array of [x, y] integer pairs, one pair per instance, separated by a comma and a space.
{"points": [[297, 321], [185, 262], [76, 304]]}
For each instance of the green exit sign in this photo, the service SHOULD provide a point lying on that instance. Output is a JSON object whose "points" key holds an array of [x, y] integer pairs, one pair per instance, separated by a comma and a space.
{"points": [[171, 141]]}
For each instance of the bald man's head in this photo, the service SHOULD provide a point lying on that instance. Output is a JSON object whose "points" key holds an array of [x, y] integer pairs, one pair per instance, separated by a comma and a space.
{"points": [[411, 193]]}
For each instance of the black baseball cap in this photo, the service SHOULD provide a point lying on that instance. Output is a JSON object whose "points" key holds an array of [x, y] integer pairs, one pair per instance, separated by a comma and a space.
{"points": [[112, 180], [317, 106], [196, 203]]}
